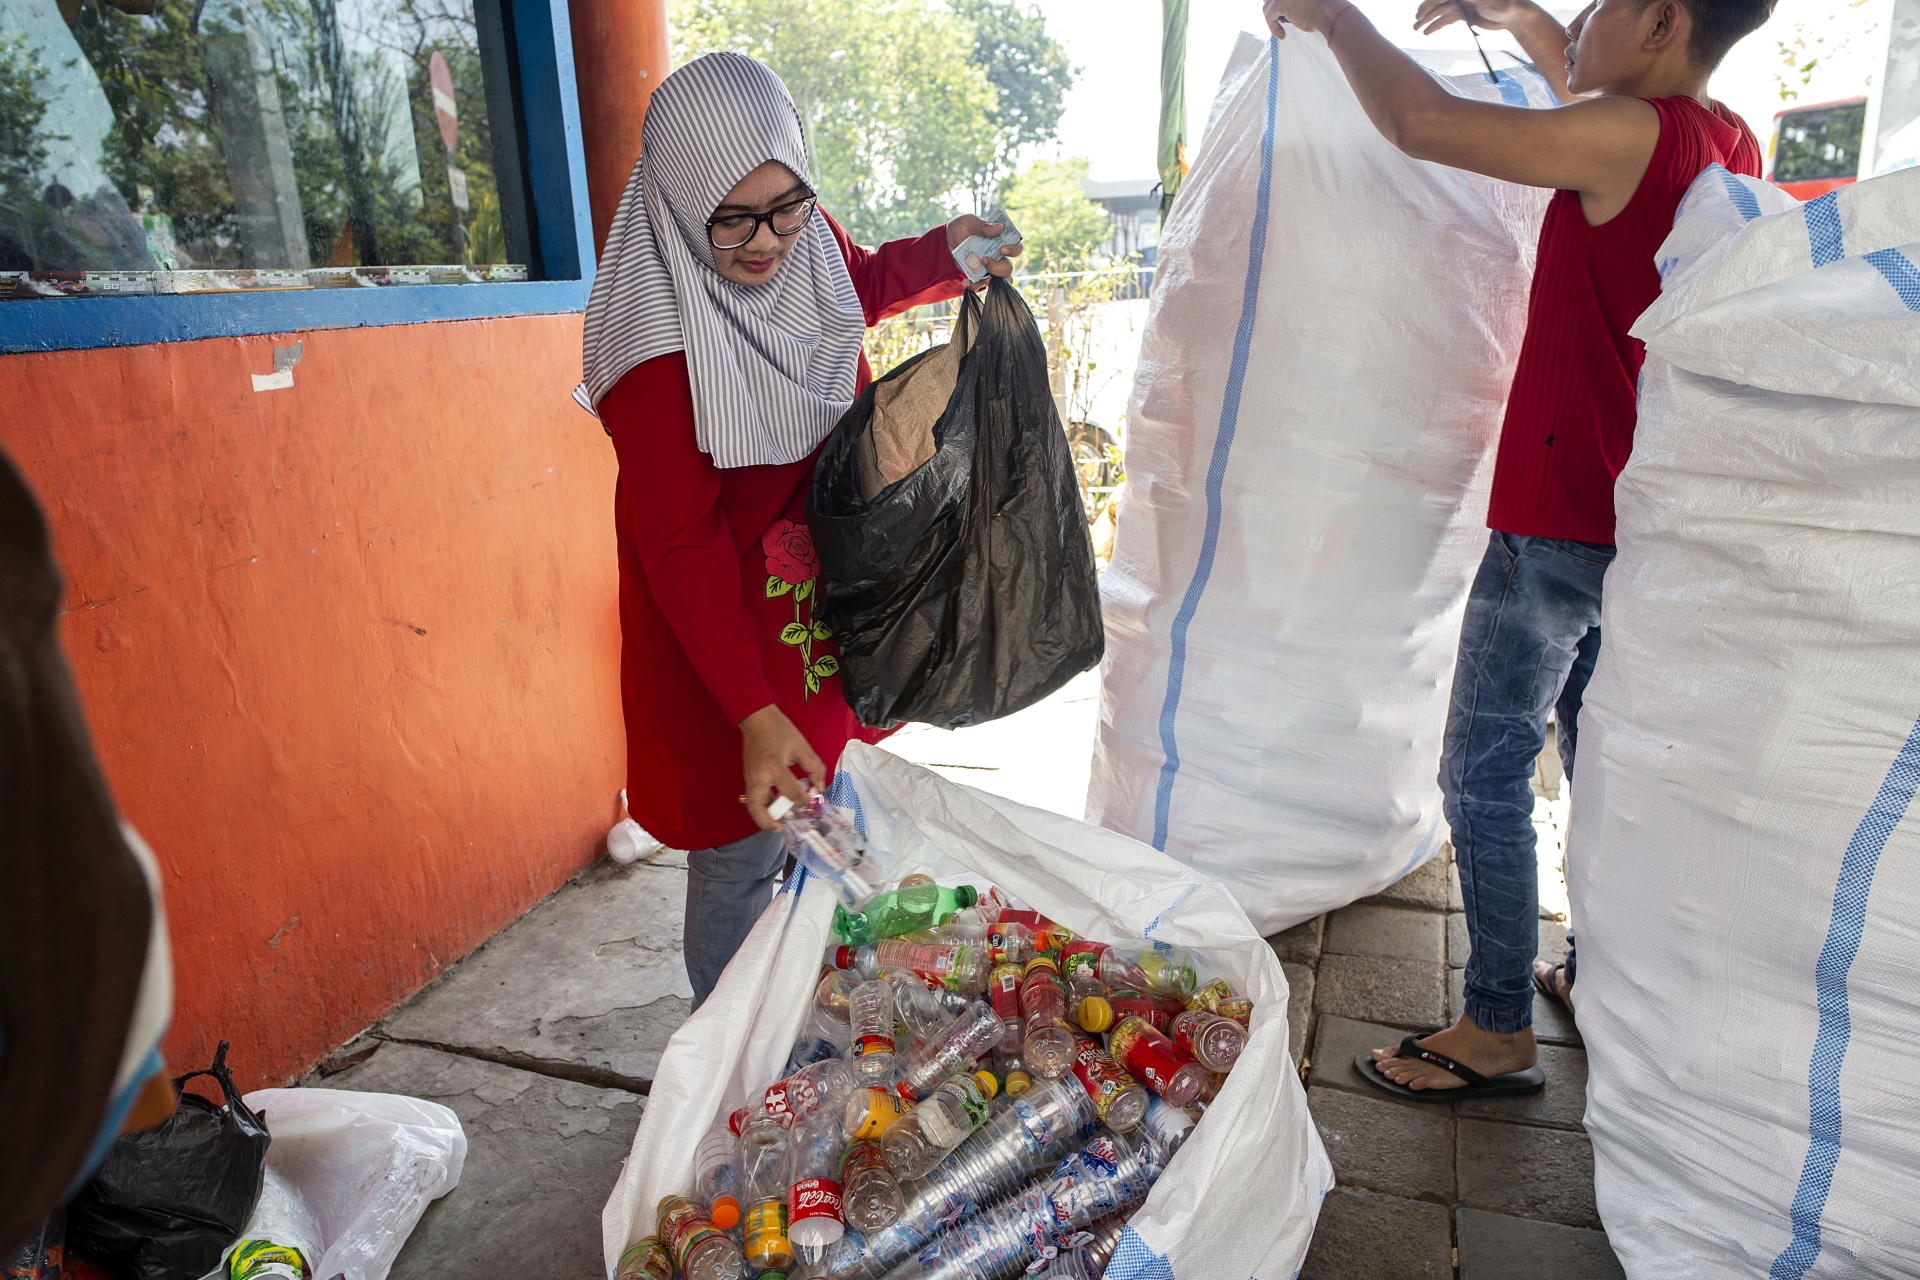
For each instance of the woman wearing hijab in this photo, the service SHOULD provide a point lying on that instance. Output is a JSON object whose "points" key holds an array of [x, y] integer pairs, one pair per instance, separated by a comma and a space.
{"points": [[723, 341]]}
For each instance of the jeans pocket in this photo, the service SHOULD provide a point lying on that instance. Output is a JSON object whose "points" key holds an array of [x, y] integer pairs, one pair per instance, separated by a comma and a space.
{"points": [[1597, 554], [1509, 544]]}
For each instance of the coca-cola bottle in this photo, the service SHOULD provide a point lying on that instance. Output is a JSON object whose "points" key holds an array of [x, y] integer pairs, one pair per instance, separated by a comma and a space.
{"points": [[813, 1189]]}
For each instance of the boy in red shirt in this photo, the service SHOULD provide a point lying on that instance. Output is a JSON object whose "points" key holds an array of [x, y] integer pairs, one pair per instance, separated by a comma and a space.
{"points": [[1639, 128]]}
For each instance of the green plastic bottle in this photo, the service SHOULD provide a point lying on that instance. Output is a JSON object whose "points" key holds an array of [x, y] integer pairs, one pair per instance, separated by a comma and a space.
{"points": [[898, 911]]}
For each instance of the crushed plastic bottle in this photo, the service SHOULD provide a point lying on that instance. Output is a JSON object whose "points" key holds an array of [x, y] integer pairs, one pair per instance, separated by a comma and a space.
{"points": [[834, 991], [871, 1009], [822, 1036], [1166, 1126], [700, 1250], [718, 1179], [965, 1041], [870, 1194], [898, 911], [940, 1122], [917, 1006], [824, 840]]}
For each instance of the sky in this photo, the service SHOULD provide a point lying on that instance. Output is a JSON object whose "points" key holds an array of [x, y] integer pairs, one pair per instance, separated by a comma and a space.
{"points": [[1113, 113]]}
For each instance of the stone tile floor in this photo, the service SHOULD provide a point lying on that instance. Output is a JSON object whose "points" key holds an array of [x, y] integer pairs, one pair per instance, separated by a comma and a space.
{"points": [[545, 1041]]}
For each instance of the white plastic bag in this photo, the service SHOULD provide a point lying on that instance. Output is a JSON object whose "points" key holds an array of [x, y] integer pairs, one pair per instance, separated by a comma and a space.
{"points": [[1742, 858], [1241, 1196], [361, 1168], [1309, 449]]}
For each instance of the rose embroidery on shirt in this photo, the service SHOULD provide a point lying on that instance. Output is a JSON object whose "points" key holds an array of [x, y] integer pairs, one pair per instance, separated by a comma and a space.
{"points": [[793, 568]]}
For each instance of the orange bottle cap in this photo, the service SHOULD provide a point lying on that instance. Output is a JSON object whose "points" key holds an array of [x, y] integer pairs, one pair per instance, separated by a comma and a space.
{"points": [[725, 1212]]}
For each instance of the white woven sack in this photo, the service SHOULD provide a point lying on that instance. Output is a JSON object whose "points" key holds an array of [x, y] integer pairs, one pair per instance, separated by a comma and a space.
{"points": [[1240, 1198], [1309, 447], [1742, 858]]}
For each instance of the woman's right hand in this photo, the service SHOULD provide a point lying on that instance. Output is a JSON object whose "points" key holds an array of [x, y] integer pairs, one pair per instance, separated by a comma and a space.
{"points": [[771, 746]]}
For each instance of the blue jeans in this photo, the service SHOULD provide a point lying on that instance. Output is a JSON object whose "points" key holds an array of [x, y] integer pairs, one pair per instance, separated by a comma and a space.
{"points": [[727, 889], [1527, 647]]}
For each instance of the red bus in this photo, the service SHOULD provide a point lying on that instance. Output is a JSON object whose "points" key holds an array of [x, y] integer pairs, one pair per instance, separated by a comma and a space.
{"points": [[1817, 147]]}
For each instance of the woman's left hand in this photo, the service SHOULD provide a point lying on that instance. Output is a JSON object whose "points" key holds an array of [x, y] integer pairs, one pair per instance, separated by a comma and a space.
{"points": [[968, 225]]}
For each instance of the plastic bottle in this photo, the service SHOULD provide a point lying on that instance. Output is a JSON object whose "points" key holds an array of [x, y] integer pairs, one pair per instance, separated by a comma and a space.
{"points": [[967, 1040], [1116, 1095], [645, 1259], [938, 1124], [1088, 1260], [916, 1006], [871, 1005], [1167, 970], [1157, 1010], [953, 965], [871, 1194], [834, 990], [1156, 1061], [1009, 943], [629, 842], [763, 1156], [1003, 991], [1166, 1126], [1217, 997], [1048, 1044], [1015, 1079], [823, 839], [1211, 1040], [898, 911], [813, 1186], [718, 1179], [870, 1112], [699, 1249], [823, 1085]]}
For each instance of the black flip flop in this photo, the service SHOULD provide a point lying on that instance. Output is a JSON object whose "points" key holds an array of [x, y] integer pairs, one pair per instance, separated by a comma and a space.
{"points": [[1513, 1084], [1549, 986]]}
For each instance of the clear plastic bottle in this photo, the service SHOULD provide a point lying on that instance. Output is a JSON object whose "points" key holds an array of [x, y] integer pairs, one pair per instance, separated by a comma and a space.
{"points": [[645, 1259], [821, 1086], [953, 965], [1003, 992], [969, 1038], [871, 1007], [834, 990], [916, 1006], [1169, 971], [939, 1123], [898, 911], [1156, 1061], [1166, 1126], [813, 1186], [1211, 1040], [1015, 1079], [1048, 1042], [870, 1112], [763, 1159], [1009, 943], [869, 1191], [822, 1036], [700, 1249], [824, 840], [718, 1179], [1116, 1095]]}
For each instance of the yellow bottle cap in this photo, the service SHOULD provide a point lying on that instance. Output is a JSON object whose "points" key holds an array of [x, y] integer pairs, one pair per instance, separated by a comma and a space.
{"points": [[725, 1212], [988, 1082], [1095, 1014], [1018, 1082]]}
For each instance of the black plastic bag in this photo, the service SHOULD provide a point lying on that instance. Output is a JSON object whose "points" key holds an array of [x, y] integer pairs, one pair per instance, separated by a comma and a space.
{"points": [[169, 1200], [955, 563]]}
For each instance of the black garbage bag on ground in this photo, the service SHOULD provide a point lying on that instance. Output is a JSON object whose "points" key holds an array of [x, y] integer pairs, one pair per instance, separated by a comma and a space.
{"points": [[955, 563], [169, 1200]]}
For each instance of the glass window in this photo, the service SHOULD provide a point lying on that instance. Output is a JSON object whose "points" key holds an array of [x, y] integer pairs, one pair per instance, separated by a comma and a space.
{"points": [[180, 145], [1821, 143]]}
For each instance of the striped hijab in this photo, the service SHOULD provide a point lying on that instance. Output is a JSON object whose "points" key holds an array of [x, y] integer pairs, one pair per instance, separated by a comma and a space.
{"points": [[773, 366]]}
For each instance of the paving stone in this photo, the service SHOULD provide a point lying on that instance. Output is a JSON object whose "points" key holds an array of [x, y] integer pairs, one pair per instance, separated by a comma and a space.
{"points": [[1338, 1041], [1560, 1105], [1494, 1246], [1552, 1024], [1454, 901], [1300, 944], [1363, 1235], [541, 1156], [1408, 993], [1553, 941], [1402, 1148], [591, 982], [1459, 945], [1424, 886], [1527, 1172], [1393, 933], [1299, 1007]]}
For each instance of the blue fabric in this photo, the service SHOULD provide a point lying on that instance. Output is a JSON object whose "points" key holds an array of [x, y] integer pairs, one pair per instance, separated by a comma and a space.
{"points": [[1511, 91], [1217, 465], [1527, 647], [1899, 271], [1844, 930], [1133, 1260], [1745, 203], [1824, 240], [727, 889]]}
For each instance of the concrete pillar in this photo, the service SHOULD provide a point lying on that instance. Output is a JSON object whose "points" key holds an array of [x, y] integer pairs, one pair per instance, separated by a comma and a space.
{"points": [[619, 54], [245, 95]]}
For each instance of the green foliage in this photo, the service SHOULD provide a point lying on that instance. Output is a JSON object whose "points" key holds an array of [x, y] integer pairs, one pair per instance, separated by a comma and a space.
{"points": [[912, 110], [23, 150], [1060, 226]]}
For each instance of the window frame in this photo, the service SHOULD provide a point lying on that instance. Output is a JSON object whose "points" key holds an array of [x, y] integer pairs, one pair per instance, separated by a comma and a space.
{"points": [[556, 176]]}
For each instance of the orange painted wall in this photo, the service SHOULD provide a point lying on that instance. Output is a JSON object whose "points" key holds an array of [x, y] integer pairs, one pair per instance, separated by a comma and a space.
{"points": [[348, 649]]}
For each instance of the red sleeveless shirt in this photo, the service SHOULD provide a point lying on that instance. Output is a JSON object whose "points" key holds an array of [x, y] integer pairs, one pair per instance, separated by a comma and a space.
{"points": [[1570, 415]]}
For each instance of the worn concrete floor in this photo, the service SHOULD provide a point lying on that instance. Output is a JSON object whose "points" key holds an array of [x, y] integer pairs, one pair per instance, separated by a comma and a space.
{"points": [[545, 1041]]}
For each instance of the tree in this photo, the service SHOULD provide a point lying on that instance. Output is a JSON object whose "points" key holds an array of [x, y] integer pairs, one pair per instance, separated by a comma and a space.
{"points": [[911, 110], [1031, 76], [1060, 226]]}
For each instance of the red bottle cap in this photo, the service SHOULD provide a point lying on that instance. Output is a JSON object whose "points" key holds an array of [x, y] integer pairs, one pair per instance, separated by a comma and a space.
{"points": [[843, 957]]}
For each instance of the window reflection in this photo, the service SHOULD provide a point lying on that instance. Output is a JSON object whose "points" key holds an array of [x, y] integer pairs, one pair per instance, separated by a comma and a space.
{"points": [[282, 137]]}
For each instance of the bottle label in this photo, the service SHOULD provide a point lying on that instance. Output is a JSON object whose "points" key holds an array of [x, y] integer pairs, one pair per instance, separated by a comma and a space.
{"points": [[685, 1228], [883, 1108], [1146, 1053], [1138, 1004], [766, 1227], [813, 1198], [1004, 987], [1210, 996], [646, 1260], [1081, 959], [791, 1099], [1102, 1077], [265, 1260], [865, 1045]]}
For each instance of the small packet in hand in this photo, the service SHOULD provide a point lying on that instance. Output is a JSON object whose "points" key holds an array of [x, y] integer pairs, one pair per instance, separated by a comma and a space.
{"points": [[970, 255]]}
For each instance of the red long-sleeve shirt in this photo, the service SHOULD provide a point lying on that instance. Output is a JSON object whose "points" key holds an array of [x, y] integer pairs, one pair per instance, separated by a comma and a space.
{"points": [[716, 581]]}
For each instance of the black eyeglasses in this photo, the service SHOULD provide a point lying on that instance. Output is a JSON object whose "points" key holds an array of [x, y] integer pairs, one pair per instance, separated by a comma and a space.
{"points": [[730, 231]]}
